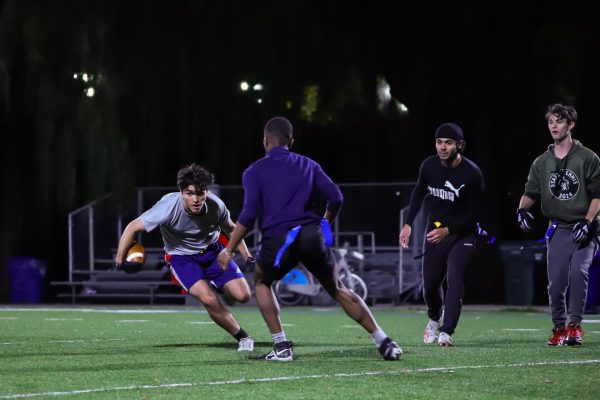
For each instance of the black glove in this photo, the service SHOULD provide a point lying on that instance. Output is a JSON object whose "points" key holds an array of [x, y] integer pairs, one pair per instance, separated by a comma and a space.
{"points": [[130, 267], [581, 231], [524, 219], [250, 264]]}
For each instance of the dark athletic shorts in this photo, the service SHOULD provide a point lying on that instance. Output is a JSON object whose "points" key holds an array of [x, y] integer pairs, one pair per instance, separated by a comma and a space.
{"points": [[308, 248]]}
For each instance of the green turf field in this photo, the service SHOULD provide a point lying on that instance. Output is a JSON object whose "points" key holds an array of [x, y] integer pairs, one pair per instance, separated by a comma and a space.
{"points": [[178, 353]]}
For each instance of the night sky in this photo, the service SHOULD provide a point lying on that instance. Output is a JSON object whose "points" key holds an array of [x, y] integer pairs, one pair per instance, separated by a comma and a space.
{"points": [[166, 78]]}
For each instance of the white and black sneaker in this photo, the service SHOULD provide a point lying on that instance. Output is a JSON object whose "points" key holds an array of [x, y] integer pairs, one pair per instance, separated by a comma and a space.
{"points": [[445, 340], [389, 349], [246, 344], [283, 351]]}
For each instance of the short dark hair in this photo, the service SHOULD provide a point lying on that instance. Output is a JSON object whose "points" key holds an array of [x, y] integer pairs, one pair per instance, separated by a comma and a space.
{"points": [[566, 112], [193, 174], [280, 129]]}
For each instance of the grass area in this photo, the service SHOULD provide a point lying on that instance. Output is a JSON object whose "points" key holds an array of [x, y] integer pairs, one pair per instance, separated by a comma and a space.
{"points": [[178, 353]]}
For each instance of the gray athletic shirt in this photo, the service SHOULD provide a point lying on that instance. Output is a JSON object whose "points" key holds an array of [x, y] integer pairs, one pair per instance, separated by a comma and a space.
{"points": [[182, 233]]}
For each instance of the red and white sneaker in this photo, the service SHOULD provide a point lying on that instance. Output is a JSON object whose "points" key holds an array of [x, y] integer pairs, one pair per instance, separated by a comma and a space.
{"points": [[558, 337], [574, 334]]}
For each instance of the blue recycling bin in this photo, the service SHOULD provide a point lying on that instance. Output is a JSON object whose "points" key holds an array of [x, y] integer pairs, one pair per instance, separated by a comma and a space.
{"points": [[27, 277]]}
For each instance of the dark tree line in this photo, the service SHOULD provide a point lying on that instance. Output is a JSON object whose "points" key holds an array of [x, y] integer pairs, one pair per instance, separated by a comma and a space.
{"points": [[166, 81]]}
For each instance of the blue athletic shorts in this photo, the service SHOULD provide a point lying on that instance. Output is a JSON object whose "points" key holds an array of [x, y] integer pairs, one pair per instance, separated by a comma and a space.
{"points": [[187, 270]]}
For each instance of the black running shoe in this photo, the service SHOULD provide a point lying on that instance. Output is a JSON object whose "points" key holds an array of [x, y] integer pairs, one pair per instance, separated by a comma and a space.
{"points": [[389, 349], [283, 351]]}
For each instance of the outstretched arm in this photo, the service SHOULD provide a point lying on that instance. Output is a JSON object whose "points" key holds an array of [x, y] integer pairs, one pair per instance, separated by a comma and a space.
{"points": [[230, 230], [236, 238]]}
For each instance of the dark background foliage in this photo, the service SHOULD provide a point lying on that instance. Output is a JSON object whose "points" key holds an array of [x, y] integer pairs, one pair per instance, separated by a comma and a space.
{"points": [[167, 75]]}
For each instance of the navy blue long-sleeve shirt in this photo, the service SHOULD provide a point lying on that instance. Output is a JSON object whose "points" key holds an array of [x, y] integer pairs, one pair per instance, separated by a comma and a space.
{"points": [[283, 190]]}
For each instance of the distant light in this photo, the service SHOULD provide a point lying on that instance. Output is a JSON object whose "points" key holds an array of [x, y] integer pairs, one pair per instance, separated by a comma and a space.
{"points": [[74, 76], [259, 101], [288, 104], [384, 93], [244, 86], [85, 77], [258, 87], [90, 92], [401, 108]]}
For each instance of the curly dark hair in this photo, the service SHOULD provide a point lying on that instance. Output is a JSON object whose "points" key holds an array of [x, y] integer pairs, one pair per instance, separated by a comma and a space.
{"points": [[566, 112], [193, 174]]}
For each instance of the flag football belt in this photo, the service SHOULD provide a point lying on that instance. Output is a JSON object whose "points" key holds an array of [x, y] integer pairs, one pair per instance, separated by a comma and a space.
{"points": [[292, 234]]}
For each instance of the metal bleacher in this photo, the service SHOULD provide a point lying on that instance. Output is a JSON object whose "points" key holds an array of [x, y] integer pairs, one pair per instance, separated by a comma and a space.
{"points": [[392, 274]]}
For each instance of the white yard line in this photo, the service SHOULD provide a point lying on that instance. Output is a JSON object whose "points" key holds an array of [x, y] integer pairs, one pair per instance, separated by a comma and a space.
{"points": [[132, 321], [66, 341], [199, 322], [63, 319], [106, 310], [294, 378], [520, 329]]}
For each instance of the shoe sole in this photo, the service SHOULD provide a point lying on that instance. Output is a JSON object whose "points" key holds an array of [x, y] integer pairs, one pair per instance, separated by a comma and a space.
{"points": [[433, 340]]}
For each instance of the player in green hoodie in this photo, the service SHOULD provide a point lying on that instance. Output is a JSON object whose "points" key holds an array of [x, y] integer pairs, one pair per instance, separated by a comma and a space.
{"points": [[566, 179]]}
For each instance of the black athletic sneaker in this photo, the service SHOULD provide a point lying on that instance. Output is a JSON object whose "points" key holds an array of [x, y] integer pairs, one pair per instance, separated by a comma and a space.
{"points": [[389, 349], [283, 351]]}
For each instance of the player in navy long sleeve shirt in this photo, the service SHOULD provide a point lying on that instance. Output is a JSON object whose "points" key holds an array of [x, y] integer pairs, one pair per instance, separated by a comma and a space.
{"points": [[285, 191], [280, 187]]}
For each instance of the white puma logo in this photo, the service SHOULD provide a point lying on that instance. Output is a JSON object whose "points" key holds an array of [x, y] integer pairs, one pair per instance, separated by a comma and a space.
{"points": [[451, 187]]}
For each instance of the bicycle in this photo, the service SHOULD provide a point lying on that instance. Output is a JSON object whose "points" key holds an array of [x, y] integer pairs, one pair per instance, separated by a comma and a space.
{"points": [[299, 284]]}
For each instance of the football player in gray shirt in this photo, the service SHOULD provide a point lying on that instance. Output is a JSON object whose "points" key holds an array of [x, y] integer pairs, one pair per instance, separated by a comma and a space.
{"points": [[190, 223]]}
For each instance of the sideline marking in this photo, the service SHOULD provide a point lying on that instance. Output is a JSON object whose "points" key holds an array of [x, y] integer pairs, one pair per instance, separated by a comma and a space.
{"points": [[106, 310], [591, 321], [295, 378], [66, 341], [521, 329], [6, 318]]}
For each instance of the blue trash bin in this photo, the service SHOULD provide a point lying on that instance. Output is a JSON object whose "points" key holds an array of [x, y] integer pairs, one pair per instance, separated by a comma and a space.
{"points": [[26, 276], [592, 304]]}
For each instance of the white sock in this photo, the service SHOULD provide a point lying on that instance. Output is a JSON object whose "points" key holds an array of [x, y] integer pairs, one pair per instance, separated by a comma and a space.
{"points": [[279, 337], [378, 336]]}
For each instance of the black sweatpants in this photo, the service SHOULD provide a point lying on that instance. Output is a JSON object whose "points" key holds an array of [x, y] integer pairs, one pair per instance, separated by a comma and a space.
{"points": [[446, 260]]}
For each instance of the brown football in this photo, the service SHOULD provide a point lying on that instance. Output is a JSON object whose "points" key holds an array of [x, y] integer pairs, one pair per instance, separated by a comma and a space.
{"points": [[136, 254]]}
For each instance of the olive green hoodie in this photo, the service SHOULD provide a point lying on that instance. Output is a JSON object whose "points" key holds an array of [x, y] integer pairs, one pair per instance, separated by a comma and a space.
{"points": [[566, 186]]}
